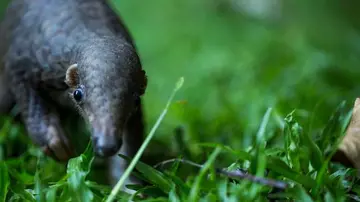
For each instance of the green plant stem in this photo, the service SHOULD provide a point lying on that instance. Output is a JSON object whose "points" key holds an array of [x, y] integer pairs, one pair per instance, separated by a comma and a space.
{"points": [[196, 187]]}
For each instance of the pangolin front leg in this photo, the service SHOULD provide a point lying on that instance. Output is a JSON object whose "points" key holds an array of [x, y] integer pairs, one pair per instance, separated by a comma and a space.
{"points": [[41, 121]]}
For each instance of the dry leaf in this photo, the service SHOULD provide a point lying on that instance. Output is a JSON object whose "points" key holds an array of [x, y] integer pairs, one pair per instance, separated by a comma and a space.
{"points": [[349, 149]]}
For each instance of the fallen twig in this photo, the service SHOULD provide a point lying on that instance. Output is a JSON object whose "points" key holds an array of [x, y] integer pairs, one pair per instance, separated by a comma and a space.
{"points": [[232, 174]]}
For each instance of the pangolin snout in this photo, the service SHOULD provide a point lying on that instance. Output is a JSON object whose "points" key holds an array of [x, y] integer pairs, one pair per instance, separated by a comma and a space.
{"points": [[106, 142]]}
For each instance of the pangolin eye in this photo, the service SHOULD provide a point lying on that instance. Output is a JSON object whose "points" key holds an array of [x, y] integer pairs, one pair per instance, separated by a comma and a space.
{"points": [[78, 95]]}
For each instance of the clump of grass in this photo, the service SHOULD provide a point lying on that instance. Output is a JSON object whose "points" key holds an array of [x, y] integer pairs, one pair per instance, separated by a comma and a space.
{"points": [[297, 170]]}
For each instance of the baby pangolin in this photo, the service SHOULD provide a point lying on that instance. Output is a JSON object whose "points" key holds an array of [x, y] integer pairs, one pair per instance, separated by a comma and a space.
{"points": [[75, 54]]}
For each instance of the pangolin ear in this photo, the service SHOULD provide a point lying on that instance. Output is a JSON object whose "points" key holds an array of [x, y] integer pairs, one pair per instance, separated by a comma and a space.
{"points": [[72, 76], [143, 81]]}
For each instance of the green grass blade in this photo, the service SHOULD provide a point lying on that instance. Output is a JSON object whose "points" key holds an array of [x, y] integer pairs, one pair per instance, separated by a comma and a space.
{"points": [[4, 181], [38, 183], [196, 186]]}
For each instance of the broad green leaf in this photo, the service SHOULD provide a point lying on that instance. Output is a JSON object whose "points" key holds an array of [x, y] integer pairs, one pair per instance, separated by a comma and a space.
{"points": [[151, 191], [51, 194], [77, 170], [22, 177], [180, 185], [301, 195], [94, 185], [275, 151], [280, 167], [153, 175], [21, 193]]}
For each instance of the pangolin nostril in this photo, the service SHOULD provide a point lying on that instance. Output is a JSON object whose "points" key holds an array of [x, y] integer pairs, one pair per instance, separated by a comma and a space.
{"points": [[106, 146], [106, 151]]}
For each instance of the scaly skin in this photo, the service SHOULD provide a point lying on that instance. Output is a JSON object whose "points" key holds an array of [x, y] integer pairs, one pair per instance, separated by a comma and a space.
{"points": [[53, 48]]}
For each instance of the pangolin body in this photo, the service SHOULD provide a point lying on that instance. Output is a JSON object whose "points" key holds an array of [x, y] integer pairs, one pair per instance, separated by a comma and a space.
{"points": [[77, 54]]}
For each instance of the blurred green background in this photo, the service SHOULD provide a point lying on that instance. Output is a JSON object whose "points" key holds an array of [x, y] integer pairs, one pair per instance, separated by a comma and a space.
{"points": [[238, 58]]}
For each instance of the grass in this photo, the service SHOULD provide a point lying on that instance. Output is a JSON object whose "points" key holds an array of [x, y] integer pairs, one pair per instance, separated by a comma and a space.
{"points": [[299, 163], [265, 97]]}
